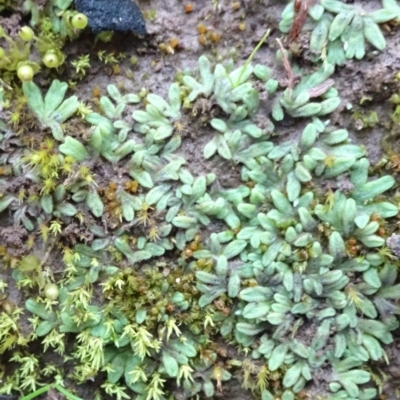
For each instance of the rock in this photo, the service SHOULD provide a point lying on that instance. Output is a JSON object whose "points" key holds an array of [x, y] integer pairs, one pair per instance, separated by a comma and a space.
{"points": [[393, 242], [115, 15]]}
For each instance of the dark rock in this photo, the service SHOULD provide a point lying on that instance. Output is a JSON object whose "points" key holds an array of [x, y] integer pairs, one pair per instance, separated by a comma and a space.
{"points": [[112, 15]]}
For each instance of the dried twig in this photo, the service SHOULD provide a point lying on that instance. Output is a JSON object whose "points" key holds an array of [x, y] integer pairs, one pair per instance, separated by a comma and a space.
{"points": [[299, 19], [321, 89], [286, 65]]}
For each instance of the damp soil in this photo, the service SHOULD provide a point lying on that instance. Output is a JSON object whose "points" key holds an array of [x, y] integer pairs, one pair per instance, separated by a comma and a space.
{"points": [[364, 86]]}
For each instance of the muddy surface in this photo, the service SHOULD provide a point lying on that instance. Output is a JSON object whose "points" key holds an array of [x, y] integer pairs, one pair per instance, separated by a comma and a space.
{"points": [[371, 79]]}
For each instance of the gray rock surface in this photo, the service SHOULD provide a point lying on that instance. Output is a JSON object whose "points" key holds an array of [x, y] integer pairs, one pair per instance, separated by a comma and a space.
{"points": [[115, 15]]}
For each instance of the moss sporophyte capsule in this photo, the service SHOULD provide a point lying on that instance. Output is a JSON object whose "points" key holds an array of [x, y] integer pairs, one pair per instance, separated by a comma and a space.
{"points": [[79, 21], [26, 33], [50, 60], [51, 291], [25, 73]]}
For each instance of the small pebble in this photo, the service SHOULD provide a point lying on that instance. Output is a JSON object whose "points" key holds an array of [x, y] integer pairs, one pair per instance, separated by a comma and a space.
{"points": [[394, 244]]}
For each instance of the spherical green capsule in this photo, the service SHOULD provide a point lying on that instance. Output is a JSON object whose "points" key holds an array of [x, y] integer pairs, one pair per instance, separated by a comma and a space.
{"points": [[50, 60], [51, 291], [26, 33], [79, 21], [395, 99], [25, 73]]}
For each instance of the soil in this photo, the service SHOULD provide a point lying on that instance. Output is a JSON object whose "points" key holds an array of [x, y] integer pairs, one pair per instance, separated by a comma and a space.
{"points": [[371, 79]]}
